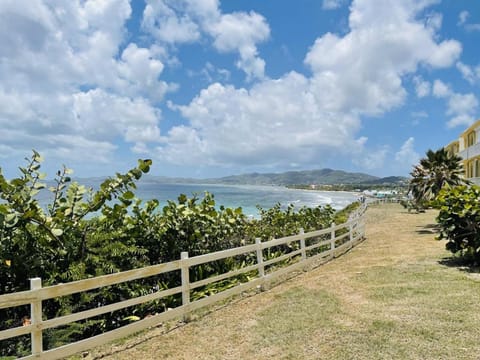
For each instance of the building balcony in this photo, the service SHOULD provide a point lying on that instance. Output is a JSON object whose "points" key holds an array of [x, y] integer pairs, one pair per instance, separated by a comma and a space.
{"points": [[475, 180], [470, 152]]}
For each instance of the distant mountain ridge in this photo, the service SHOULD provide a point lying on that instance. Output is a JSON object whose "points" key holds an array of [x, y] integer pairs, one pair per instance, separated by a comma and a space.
{"points": [[319, 177]]}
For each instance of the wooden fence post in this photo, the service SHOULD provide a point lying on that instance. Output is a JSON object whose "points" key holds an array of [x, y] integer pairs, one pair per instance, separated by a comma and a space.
{"points": [[36, 318], [350, 230], [362, 226], [332, 240], [261, 268], [302, 246], [185, 285]]}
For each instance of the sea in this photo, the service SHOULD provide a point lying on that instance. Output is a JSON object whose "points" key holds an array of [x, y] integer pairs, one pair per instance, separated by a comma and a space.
{"points": [[248, 197]]}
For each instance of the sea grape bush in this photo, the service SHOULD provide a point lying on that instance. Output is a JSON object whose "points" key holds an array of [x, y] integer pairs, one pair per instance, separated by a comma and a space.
{"points": [[459, 221], [84, 233], [61, 243]]}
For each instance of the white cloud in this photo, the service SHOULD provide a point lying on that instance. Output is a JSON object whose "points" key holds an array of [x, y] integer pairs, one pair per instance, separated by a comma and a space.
{"points": [[422, 87], [440, 89], [182, 21], [419, 115], [242, 31], [66, 85], [73, 78], [434, 21], [139, 72], [462, 21], [463, 108], [134, 119], [357, 74], [211, 73], [462, 17], [460, 107], [364, 69], [372, 159], [471, 74], [263, 125], [77, 148], [332, 4], [57, 147], [161, 19], [407, 156], [75, 45]]}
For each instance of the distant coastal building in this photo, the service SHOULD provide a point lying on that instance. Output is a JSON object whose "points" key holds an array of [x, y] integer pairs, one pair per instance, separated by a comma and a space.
{"points": [[468, 148]]}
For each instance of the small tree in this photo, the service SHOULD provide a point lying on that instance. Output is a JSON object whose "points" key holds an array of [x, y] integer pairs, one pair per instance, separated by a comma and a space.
{"points": [[437, 170], [459, 221]]}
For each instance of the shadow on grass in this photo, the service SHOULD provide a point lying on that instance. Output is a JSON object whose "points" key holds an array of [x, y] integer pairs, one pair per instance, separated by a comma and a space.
{"points": [[428, 229], [461, 263]]}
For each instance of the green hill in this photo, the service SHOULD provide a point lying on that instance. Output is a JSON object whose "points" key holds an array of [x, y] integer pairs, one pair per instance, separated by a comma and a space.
{"points": [[323, 176], [319, 177]]}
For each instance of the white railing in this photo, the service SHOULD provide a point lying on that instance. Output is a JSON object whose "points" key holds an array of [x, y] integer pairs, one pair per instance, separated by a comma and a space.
{"points": [[383, 201], [323, 245], [474, 180], [470, 152]]}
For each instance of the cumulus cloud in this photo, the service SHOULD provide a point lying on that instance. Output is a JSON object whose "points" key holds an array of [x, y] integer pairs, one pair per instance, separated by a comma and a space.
{"points": [[360, 73], [135, 119], [139, 72], [422, 87], [469, 73], [265, 125], [242, 31], [372, 159], [93, 84], [463, 22], [440, 89], [68, 82], [460, 107], [434, 21], [363, 70], [407, 156], [166, 25], [174, 21]]}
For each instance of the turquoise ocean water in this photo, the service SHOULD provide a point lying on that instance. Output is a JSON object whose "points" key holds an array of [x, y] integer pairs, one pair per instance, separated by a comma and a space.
{"points": [[245, 196]]}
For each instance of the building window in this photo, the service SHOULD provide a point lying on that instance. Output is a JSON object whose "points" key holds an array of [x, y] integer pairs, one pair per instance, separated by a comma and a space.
{"points": [[471, 138], [470, 169]]}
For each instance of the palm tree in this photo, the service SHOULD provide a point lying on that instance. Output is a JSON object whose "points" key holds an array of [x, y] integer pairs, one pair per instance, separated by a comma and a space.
{"points": [[437, 170]]}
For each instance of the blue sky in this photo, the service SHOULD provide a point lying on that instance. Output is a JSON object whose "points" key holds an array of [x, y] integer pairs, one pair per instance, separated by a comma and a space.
{"points": [[209, 88]]}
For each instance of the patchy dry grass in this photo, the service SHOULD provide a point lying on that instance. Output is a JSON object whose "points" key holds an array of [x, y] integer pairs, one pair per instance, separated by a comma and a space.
{"points": [[389, 298]]}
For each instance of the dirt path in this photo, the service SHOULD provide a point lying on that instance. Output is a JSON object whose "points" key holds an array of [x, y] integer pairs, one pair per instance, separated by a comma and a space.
{"points": [[310, 316]]}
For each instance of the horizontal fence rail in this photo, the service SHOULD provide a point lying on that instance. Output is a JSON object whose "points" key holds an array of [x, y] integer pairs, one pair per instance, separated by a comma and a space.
{"points": [[323, 245]]}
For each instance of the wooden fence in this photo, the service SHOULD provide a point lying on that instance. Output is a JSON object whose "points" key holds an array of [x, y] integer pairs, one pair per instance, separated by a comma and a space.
{"points": [[310, 249]]}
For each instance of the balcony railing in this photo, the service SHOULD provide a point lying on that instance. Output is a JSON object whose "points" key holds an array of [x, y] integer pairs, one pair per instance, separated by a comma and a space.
{"points": [[475, 180], [470, 152]]}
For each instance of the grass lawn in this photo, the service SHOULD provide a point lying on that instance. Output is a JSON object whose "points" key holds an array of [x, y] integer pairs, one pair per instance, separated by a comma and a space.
{"points": [[392, 297]]}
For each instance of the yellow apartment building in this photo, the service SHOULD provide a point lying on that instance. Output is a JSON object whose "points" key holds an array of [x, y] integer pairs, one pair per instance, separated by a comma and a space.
{"points": [[468, 148]]}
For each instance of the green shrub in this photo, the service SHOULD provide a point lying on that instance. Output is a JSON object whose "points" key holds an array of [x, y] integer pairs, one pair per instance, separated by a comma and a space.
{"points": [[459, 221], [83, 234]]}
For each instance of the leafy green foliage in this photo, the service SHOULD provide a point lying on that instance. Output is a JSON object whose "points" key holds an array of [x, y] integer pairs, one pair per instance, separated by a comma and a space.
{"points": [[62, 243], [84, 233], [276, 223], [459, 221]]}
